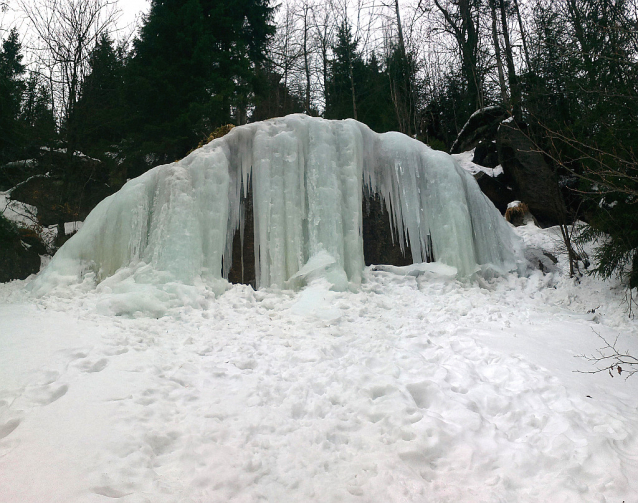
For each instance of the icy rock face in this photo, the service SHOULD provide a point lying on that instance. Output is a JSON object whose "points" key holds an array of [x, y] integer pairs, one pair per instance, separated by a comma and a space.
{"points": [[307, 174]]}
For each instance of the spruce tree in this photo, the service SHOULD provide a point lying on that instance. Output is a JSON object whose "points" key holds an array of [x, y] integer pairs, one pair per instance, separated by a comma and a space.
{"points": [[347, 76], [192, 70], [11, 89], [99, 113], [38, 125]]}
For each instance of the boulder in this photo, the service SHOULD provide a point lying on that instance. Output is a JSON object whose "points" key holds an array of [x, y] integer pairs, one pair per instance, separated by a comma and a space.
{"points": [[486, 154], [20, 251], [533, 180], [496, 189], [480, 127], [63, 188]]}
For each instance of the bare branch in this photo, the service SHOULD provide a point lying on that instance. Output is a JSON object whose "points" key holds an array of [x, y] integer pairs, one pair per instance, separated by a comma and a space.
{"points": [[609, 359]]}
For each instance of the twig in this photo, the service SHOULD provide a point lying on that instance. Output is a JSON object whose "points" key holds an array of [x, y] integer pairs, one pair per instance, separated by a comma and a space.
{"points": [[614, 360]]}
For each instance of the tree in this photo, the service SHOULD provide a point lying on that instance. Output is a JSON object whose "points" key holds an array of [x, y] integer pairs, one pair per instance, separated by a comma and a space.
{"points": [[515, 91], [67, 32], [402, 73], [376, 107], [197, 58], [347, 76], [587, 84], [38, 123], [11, 89], [99, 114], [462, 20]]}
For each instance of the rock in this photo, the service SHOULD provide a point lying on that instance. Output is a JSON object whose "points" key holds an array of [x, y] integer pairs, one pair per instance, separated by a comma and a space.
{"points": [[481, 126], [533, 180], [486, 154], [378, 245], [541, 259], [62, 188], [56, 201], [496, 189], [19, 252]]}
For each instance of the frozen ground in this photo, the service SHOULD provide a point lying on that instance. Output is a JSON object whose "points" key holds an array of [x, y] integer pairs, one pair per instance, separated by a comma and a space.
{"points": [[418, 388]]}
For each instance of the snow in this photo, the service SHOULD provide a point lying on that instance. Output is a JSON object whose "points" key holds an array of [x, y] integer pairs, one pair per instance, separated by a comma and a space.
{"points": [[418, 386], [464, 160], [174, 224]]}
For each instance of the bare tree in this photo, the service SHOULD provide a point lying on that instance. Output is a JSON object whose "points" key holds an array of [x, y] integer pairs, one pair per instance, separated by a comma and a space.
{"points": [[305, 13], [515, 90], [67, 31], [324, 34], [523, 35], [286, 49], [497, 53], [462, 19]]}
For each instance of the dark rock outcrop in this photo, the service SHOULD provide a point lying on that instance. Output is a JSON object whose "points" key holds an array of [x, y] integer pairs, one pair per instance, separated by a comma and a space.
{"points": [[527, 175], [486, 154], [533, 180], [496, 189], [62, 188], [481, 126], [378, 245], [56, 201], [20, 251]]}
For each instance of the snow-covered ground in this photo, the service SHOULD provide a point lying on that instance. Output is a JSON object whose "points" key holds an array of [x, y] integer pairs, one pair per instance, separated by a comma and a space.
{"points": [[417, 388]]}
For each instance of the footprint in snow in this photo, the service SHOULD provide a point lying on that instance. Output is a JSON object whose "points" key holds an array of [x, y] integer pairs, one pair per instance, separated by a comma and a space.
{"points": [[97, 366], [109, 492], [49, 394], [7, 428]]}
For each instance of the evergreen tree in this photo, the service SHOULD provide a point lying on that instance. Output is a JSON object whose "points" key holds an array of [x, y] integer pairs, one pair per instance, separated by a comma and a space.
{"points": [[99, 113], [36, 117], [273, 98], [192, 70], [582, 94], [11, 89], [375, 99], [347, 77]]}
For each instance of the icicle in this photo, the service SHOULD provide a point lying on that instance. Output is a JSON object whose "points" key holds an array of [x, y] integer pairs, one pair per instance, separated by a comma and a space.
{"points": [[307, 177]]}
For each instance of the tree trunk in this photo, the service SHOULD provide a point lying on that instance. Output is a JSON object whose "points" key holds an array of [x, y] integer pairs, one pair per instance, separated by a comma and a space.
{"points": [[511, 70], [467, 38], [306, 58], [523, 36], [499, 60]]}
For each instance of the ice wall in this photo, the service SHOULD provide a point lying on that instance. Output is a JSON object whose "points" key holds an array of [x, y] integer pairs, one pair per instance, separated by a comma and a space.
{"points": [[176, 222]]}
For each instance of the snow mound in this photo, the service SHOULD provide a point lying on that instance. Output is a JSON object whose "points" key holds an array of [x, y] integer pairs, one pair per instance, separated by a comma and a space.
{"points": [[175, 223]]}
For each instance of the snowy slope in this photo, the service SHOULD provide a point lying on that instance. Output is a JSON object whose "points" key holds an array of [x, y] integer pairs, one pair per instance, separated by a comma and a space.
{"points": [[417, 388]]}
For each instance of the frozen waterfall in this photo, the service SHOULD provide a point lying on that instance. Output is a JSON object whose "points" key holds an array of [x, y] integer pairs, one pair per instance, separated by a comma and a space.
{"points": [[176, 222]]}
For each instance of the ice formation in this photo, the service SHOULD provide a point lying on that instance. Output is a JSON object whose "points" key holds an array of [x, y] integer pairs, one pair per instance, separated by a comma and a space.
{"points": [[177, 221]]}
